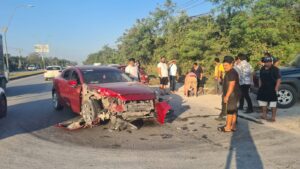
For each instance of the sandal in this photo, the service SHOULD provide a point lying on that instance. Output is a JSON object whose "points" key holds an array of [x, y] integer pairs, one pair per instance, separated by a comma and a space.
{"points": [[222, 129]]}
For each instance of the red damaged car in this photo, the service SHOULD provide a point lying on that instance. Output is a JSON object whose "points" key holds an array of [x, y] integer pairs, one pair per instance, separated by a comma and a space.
{"points": [[105, 93]]}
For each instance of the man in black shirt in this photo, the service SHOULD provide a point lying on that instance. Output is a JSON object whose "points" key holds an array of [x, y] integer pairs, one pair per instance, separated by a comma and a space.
{"points": [[269, 83], [230, 94], [199, 72]]}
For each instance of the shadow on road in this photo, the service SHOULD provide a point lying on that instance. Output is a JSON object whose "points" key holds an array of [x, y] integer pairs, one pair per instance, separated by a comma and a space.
{"points": [[242, 146], [31, 116], [27, 89], [176, 102], [178, 107]]}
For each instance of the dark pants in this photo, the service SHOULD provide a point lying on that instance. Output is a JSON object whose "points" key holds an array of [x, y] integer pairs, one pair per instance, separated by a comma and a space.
{"points": [[245, 95], [172, 83]]}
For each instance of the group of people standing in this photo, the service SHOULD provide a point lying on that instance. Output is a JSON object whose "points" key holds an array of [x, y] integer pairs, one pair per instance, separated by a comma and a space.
{"points": [[236, 80], [233, 79], [165, 72], [194, 79]]}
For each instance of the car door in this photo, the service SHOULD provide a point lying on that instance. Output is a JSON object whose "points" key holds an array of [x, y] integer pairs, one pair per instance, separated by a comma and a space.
{"points": [[63, 85], [74, 93]]}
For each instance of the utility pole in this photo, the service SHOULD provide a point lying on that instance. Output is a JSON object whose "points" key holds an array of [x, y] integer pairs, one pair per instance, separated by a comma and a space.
{"points": [[20, 58], [5, 29]]}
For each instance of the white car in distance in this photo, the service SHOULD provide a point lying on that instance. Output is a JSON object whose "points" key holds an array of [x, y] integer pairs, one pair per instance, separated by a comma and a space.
{"points": [[52, 71]]}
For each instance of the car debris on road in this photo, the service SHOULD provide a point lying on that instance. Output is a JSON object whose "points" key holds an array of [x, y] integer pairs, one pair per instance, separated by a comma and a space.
{"points": [[120, 103]]}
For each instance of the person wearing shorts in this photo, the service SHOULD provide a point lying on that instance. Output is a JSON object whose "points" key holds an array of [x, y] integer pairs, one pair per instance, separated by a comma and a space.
{"points": [[230, 95], [162, 70], [190, 81], [269, 83]]}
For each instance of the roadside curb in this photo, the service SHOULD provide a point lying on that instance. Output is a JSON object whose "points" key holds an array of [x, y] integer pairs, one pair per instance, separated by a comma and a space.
{"points": [[20, 77]]}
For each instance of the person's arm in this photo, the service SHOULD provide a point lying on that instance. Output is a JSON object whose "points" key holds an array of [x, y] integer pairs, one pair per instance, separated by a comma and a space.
{"points": [[159, 70], [277, 85], [201, 73], [219, 74], [278, 81], [229, 91]]}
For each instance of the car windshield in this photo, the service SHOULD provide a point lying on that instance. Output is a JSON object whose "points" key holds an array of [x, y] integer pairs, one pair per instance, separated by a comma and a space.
{"points": [[94, 76], [53, 68]]}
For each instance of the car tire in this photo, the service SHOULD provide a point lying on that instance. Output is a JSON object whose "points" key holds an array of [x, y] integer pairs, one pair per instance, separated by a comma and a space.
{"points": [[3, 106], [88, 112], [55, 101], [287, 96]]}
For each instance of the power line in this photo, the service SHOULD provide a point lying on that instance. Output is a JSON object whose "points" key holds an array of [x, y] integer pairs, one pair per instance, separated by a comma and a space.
{"points": [[188, 4], [195, 5]]}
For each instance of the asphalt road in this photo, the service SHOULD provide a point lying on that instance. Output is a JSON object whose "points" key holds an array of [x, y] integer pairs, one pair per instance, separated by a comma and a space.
{"points": [[29, 139]]}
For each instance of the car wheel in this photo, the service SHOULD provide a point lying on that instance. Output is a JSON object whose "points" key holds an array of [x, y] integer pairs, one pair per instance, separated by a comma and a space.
{"points": [[3, 106], [88, 112], [55, 101], [287, 96]]}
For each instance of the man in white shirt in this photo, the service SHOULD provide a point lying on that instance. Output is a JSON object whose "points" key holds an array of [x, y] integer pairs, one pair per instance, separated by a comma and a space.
{"points": [[132, 70], [245, 78], [173, 75], [162, 70]]}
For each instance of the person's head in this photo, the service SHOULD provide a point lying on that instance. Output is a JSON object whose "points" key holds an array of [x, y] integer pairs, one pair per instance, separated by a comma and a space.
{"points": [[131, 61], [242, 57], [275, 61], [268, 61], [172, 61], [237, 59], [217, 60], [228, 63], [195, 64], [163, 59]]}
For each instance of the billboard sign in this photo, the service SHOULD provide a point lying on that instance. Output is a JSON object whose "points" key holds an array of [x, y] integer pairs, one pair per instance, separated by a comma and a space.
{"points": [[41, 48]]}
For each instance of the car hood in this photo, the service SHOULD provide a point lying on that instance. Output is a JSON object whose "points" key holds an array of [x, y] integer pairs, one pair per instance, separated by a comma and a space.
{"points": [[125, 90], [286, 71], [289, 70]]}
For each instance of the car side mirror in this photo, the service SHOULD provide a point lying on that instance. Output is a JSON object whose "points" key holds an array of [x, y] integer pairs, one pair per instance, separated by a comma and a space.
{"points": [[72, 83]]}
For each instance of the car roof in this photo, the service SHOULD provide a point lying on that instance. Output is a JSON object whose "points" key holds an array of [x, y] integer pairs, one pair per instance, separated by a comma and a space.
{"points": [[91, 67]]}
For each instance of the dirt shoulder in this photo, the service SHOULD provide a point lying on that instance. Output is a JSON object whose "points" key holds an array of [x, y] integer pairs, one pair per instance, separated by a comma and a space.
{"points": [[210, 105]]}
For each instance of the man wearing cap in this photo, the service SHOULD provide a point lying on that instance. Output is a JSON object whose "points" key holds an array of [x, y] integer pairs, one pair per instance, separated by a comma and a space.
{"points": [[269, 83]]}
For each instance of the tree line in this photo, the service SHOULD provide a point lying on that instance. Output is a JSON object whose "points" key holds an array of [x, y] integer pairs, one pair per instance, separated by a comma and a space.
{"points": [[19, 63], [233, 26]]}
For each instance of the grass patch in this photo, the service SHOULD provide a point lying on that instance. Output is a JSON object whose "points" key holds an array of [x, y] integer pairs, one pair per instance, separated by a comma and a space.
{"points": [[16, 75]]}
